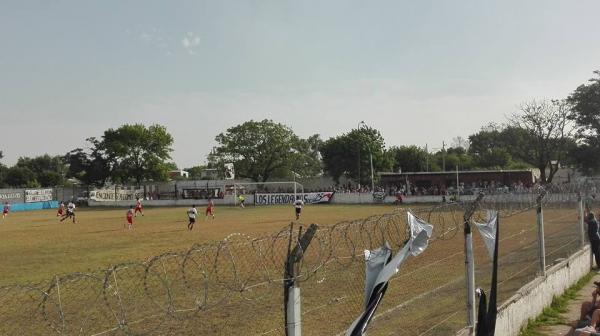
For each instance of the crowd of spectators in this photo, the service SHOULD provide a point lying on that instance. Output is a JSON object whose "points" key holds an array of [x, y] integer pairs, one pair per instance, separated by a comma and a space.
{"points": [[487, 187]]}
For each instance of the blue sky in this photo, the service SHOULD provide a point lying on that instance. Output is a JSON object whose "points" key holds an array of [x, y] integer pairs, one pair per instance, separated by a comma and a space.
{"points": [[419, 71]]}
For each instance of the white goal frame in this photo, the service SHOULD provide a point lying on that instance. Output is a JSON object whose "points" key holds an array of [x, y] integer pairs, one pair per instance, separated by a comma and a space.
{"points": [[297, 186]]}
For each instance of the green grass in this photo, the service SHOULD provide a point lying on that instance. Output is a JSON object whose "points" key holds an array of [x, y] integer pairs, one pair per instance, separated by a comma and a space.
{"points": [[552, 315]]}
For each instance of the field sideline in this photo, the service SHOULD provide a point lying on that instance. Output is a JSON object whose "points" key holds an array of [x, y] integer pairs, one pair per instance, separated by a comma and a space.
{"points": [[35, 245]]}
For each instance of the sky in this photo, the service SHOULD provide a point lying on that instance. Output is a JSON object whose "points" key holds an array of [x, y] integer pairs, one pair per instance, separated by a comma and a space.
{"points": [[421, 72]]}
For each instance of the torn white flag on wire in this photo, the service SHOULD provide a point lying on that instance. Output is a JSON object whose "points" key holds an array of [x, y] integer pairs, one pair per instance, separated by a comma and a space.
{"points": [[380, 267], [487, 231]]}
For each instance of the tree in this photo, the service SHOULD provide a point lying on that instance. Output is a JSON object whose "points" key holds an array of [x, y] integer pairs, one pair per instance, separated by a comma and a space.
{"points": [[306, 158], [48, 170], [262, 150], [408, 158], [499, 147], [549, 130], [585, 103], [348, 154], [136, 152], [3, 170], [454, 157], [91, 167], [195, 172], [21, 177]]}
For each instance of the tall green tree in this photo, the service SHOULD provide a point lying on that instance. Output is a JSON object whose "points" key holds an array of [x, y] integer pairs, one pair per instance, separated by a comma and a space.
{"points": [[263, 150], [136, 152], [408, 158], [48, 170], [499, 147], [585, 102], [454, 157], [21, 177], [349, 155], [90, 166], [3, 170]]}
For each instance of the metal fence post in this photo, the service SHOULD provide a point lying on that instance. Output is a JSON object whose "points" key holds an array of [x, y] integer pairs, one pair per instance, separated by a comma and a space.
{"points": [[541, 242]]}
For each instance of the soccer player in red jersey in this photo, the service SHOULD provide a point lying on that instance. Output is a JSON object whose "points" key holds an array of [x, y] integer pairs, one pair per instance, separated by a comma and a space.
{"points": [[130, 214], [5, 210], [210, 209], [138, 207], [70, 212], [61, 209]]}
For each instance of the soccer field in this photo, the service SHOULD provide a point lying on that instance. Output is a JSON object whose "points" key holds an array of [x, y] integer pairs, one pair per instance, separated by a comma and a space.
{"points": [[35, 245]]}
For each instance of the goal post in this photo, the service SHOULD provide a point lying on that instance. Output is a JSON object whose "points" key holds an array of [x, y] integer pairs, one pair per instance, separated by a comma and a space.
{"points": [[239, 186]]}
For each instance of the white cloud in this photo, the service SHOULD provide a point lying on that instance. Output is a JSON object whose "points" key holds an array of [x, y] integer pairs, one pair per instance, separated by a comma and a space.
{"points": [[190, 42], [155, 38]]}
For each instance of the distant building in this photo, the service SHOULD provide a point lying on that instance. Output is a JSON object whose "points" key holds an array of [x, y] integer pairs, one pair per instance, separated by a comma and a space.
{"points": [[178, 174]]}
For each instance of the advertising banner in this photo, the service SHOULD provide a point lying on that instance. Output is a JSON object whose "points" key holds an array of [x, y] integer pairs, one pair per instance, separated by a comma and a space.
{"points": [[288, 198], [379, 196], [103, 195], [11, 196], [38, 195]]}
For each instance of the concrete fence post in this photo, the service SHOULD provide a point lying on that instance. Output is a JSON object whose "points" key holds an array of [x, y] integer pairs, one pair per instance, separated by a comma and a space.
{"points": [[541, 241], [470, 265], [294, 312]]}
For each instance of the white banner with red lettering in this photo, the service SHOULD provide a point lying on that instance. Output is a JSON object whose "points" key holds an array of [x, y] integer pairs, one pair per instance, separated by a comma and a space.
{"points": [[38, 195]]}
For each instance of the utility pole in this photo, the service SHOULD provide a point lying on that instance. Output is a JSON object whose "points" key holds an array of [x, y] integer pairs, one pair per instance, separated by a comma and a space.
{"points": [[358, 129], [443, 156], [426, 158]]}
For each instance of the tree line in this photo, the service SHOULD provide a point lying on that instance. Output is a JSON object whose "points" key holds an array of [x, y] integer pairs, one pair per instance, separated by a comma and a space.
{"points": [[538, 135]]}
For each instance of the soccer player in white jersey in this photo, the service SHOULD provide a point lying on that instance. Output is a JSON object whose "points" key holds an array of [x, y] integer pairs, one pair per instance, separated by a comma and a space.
{"points": [[298, 206], [192, 213], [70, 212]]}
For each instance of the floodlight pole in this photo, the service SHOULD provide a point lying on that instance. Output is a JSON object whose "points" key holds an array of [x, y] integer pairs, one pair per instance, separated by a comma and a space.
{"points": [[358, 129]]}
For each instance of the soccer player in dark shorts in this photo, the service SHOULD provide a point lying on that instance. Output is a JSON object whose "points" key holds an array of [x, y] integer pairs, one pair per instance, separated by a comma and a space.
{"points": [[70, 212], [192, 213], [298, 205], [5, 210]]}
